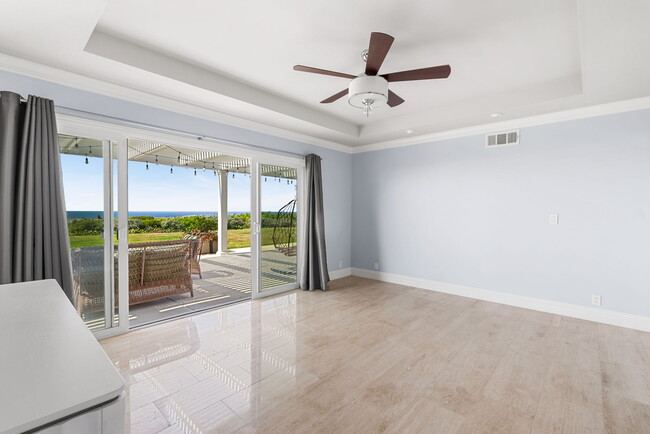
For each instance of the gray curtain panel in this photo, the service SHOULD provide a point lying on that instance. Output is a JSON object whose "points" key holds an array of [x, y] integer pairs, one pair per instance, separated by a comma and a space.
{"points": [[314, 266], [34, 242]]}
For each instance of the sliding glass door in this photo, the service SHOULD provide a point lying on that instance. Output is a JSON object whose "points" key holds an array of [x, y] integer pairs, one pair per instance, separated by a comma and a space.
{"points": [[276, 229], [189, 235], [89, 178], [161, 226]]}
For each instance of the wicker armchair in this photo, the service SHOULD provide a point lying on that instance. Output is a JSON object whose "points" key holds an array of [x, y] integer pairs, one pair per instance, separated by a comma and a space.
{"points": [[196, 246], [156, 270]]}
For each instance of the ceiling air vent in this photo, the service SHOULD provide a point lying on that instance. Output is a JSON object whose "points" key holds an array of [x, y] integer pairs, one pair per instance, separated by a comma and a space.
{"points": [[502, 139]]}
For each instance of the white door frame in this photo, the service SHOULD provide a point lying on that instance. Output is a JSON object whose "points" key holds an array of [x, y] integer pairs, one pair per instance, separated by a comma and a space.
{"points": [[91, 128], [256, 238], [122, 326]]}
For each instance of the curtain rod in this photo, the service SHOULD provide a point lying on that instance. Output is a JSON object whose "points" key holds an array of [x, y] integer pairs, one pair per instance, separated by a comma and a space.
{"points": [[116, 120], [121, 121]]}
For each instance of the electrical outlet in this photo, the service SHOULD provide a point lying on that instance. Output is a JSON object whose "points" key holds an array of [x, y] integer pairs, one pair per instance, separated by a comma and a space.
{"points": [[340, 264], [596, 300], [377, 266]]}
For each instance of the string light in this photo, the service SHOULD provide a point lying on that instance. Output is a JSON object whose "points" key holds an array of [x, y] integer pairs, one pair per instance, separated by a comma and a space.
{"points": [[204, 166], [86, 160], [147, 166], [76, 143], [287, 182], [233, 175], [215, 172], [265, 179], [171, 170], [179, 157], [194, 172], [156, 160]]}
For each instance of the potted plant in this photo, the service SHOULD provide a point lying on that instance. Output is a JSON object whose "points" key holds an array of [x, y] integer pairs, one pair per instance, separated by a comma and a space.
{"points": [[210, 240]]}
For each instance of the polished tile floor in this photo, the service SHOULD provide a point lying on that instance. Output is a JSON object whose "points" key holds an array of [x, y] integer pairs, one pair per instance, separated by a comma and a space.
{"points": [[373, 357]]}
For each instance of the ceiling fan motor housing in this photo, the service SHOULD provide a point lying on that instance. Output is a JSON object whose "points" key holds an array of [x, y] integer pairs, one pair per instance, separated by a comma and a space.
{"points": [[365, 88]]}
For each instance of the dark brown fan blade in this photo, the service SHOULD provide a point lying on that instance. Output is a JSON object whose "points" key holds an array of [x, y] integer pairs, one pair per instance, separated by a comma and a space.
{"points": [[334, 97], [393, 99], [322, 71], [442, 71], [377, 50]]}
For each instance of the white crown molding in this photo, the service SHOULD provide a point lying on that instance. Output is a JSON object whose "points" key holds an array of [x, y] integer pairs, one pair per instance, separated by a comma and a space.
{"points": [[70, 79], [340, 273], [620, 319], [65, 78], [530, 121]]}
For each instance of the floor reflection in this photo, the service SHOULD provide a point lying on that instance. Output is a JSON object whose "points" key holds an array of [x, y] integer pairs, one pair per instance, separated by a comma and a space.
{"points": [[214, 371]]}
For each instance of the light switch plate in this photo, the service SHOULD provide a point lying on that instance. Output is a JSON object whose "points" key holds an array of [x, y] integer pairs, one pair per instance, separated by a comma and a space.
{"points": [[553, 219]]}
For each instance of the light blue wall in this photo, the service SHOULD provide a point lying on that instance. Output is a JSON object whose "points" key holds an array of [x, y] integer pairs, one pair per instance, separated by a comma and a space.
{"points": [[455, 212], [336, 165]]}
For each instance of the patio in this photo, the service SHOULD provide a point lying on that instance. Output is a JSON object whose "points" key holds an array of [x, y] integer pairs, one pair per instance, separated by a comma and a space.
{"points": [[225, 279]]}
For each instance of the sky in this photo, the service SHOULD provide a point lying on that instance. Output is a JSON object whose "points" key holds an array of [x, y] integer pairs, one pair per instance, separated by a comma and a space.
{"points": [[157, 189]]}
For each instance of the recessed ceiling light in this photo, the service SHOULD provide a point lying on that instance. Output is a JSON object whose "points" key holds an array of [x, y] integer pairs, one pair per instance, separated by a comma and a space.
{"points": [[496, 115], [410, 131]]}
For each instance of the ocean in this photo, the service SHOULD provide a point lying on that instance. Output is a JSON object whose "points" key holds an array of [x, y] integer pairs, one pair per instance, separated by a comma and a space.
{"points": [[158, 214]]}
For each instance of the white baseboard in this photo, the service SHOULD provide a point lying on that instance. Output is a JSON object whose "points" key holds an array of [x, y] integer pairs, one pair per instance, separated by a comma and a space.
{"points": [[340, 273], [604, 316]]}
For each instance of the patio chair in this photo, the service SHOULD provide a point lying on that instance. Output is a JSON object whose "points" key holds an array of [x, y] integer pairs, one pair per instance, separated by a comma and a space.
{"points": [[159, 269], [195, 247], [156, 270]]}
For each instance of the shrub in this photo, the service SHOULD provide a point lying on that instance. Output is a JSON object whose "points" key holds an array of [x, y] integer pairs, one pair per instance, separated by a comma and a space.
{"points": [[172, 225], [85, 226], [237, 222], [135, 223], [268, 222], [201, 223]]}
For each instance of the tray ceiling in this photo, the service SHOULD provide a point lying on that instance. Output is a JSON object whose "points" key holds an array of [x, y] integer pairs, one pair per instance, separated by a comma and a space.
{"points": [[516, 57]]}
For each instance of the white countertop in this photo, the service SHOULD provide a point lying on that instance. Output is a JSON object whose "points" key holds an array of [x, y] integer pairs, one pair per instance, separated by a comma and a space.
{"points": [[51, 365]]}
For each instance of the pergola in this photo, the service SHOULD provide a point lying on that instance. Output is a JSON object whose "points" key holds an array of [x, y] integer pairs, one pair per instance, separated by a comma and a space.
{"points": [[149, 152]]}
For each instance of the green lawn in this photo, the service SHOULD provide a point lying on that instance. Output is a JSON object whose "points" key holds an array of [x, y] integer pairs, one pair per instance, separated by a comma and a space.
{"points": [[96, 240], [237, 238]]}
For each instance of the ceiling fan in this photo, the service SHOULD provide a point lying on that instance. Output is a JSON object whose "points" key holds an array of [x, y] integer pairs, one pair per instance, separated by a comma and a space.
{"points": [[368, 90]]}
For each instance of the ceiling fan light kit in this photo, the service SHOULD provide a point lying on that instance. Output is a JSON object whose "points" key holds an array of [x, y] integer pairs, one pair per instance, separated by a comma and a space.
{"points": [[370, 90]]}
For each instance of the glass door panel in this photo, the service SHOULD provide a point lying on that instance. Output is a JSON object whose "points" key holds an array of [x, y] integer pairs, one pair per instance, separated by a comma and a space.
{"points": [[87, 178], [188, 230], [278, 186]]}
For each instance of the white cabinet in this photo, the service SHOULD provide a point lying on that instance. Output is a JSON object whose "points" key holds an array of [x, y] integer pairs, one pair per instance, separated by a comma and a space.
{"points": [[85, 423], [113, 416], [54, 374], [107, 419]]}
